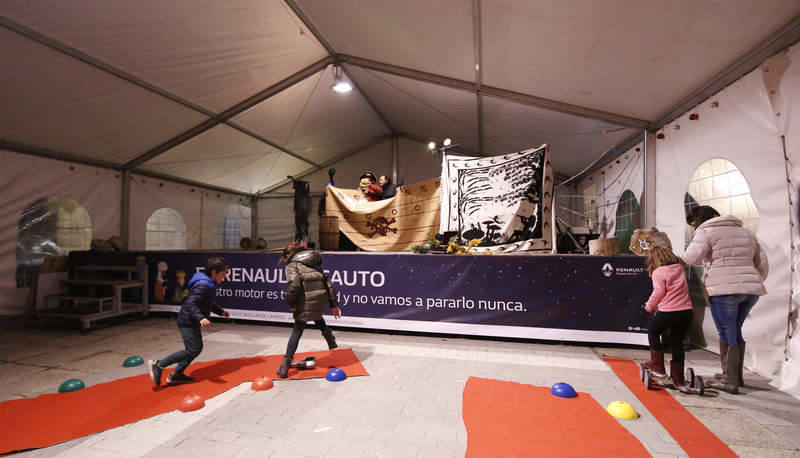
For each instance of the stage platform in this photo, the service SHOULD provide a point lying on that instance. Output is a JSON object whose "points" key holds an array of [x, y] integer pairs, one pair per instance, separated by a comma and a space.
{"points": [[578, 298]]}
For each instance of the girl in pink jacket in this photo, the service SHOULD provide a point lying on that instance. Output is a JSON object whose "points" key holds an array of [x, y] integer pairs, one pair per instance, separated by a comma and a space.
{"points": [[671, 297]]}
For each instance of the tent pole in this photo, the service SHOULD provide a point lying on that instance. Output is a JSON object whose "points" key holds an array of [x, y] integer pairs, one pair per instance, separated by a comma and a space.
{"points": [[395, 154], [254, 218], [125, 209], [648, 204]]}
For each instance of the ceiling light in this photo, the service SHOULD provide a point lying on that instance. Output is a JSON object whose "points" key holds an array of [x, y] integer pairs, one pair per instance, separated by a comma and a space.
{"points": [[431, 146], [447, 142], [340, 84]]}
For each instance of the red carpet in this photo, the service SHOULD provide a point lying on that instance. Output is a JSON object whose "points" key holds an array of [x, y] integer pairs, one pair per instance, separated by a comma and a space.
{"points": [[514, 420], [53, 418], [693, 436]]}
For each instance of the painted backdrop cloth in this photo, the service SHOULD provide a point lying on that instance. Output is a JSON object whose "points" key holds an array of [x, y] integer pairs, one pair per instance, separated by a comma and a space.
{"points": [[409, 218], [504, 200]]}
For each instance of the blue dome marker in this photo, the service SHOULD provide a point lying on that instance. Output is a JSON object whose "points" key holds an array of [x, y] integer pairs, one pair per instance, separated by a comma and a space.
{"points": [[563, 390], [335, 375]]}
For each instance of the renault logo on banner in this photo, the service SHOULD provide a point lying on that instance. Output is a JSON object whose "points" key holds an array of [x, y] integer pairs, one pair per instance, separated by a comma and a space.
{"points": [[608, 270]]}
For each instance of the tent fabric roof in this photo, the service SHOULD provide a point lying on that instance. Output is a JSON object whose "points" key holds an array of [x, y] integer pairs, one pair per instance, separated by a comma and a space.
{"points": [[237, 94]]}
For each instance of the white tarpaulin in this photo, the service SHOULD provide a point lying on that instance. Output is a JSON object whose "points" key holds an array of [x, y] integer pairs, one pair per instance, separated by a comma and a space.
{"points": [[27, 179], [740, 125]]}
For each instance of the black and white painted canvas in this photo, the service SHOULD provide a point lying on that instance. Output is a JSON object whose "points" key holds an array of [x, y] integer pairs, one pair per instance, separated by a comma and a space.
{"points": [[505, 201]]}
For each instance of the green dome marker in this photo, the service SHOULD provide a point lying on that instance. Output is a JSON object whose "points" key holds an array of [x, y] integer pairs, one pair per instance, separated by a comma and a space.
{"points": [[132, 361], [72, 384]]}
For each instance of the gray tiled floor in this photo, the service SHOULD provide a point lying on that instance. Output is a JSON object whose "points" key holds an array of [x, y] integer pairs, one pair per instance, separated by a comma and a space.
{"points": [[409, 406]]}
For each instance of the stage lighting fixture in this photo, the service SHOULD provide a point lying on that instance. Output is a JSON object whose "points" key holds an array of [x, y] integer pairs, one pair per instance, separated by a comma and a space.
{"points": [[447, 142], [340, 84], [431, 146]]}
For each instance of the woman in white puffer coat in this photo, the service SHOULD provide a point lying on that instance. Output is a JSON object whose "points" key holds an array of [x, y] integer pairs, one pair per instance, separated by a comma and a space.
{"points": [[734, 269]]}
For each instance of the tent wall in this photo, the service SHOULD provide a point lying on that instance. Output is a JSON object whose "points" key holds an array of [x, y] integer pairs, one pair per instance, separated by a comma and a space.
{"points": [[25, 179], [199, 208], [741, 125], [603, 189]]}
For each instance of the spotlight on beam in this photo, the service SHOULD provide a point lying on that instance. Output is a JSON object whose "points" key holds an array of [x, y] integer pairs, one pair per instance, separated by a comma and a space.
{"points": [[340, 84]]}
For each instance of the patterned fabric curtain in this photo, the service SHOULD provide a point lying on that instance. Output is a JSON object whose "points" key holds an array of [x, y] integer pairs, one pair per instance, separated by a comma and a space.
{"points": [[395, 224], [505, 201]]}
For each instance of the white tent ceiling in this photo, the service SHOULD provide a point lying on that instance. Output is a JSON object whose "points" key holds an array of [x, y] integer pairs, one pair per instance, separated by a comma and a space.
{"points": [[236, 94]]}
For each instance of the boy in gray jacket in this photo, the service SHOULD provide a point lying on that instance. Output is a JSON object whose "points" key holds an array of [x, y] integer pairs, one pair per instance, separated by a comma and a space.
{"points": [[308, 293]]}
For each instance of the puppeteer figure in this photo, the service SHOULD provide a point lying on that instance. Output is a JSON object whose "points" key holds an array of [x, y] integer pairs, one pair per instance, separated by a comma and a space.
{"points": [[370, 188]]}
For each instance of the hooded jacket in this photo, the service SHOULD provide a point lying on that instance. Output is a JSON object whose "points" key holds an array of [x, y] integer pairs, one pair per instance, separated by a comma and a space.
{"points": [[199, 303], [309, 288], [733, 260]]}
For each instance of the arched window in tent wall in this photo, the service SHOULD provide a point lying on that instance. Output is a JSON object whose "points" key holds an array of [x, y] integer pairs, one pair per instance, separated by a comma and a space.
{"points": [[165, 231], [54, 225], [226, 233], [628, 219], [720, 184]]}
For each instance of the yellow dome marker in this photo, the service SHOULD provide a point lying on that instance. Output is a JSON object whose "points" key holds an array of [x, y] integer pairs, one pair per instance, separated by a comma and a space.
{"points": [[622, 410]]}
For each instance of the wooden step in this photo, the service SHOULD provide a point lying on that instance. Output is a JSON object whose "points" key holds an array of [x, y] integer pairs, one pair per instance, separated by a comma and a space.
{"points": [[122, 283], [106, 268], [79, 298]]}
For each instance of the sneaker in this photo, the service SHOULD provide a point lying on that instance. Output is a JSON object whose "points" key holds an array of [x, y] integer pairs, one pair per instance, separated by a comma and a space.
{"points": [[155, 372], [175, 378]]}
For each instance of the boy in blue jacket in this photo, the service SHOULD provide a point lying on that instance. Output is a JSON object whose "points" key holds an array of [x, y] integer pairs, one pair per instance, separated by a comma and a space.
{"points": [[197, 306]]}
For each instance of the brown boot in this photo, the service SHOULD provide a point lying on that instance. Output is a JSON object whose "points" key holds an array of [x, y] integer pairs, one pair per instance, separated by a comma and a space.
{"points": [[656, 363], [741, 364], [676, 373], [731, 382], [723, 360], [283, 371]]}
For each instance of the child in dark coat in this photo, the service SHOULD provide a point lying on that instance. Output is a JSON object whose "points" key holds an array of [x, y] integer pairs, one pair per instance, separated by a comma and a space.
{"points": [[308, 293], [193, 315]]}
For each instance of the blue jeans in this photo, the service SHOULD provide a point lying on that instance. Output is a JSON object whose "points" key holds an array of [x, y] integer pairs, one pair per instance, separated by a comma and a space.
{"points": [[729, 313], [193, 341]]}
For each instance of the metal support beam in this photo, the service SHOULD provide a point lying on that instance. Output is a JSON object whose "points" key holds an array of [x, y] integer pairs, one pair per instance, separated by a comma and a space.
{"points": [[425, 141], [395, 156], [98, 64], [606, 157], [369, 101], [332, 53], [648, 203], [233, 111], [253, 218], [125, 209], [784, 37], [517, 97], [249, 132], [619, 149], [338, 158], [310, 26], [67, 157], [477, 48], [197, 184], [57, 155]]}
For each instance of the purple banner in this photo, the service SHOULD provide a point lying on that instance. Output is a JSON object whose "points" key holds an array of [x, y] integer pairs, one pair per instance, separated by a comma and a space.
{"points": [[578, 293]]}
